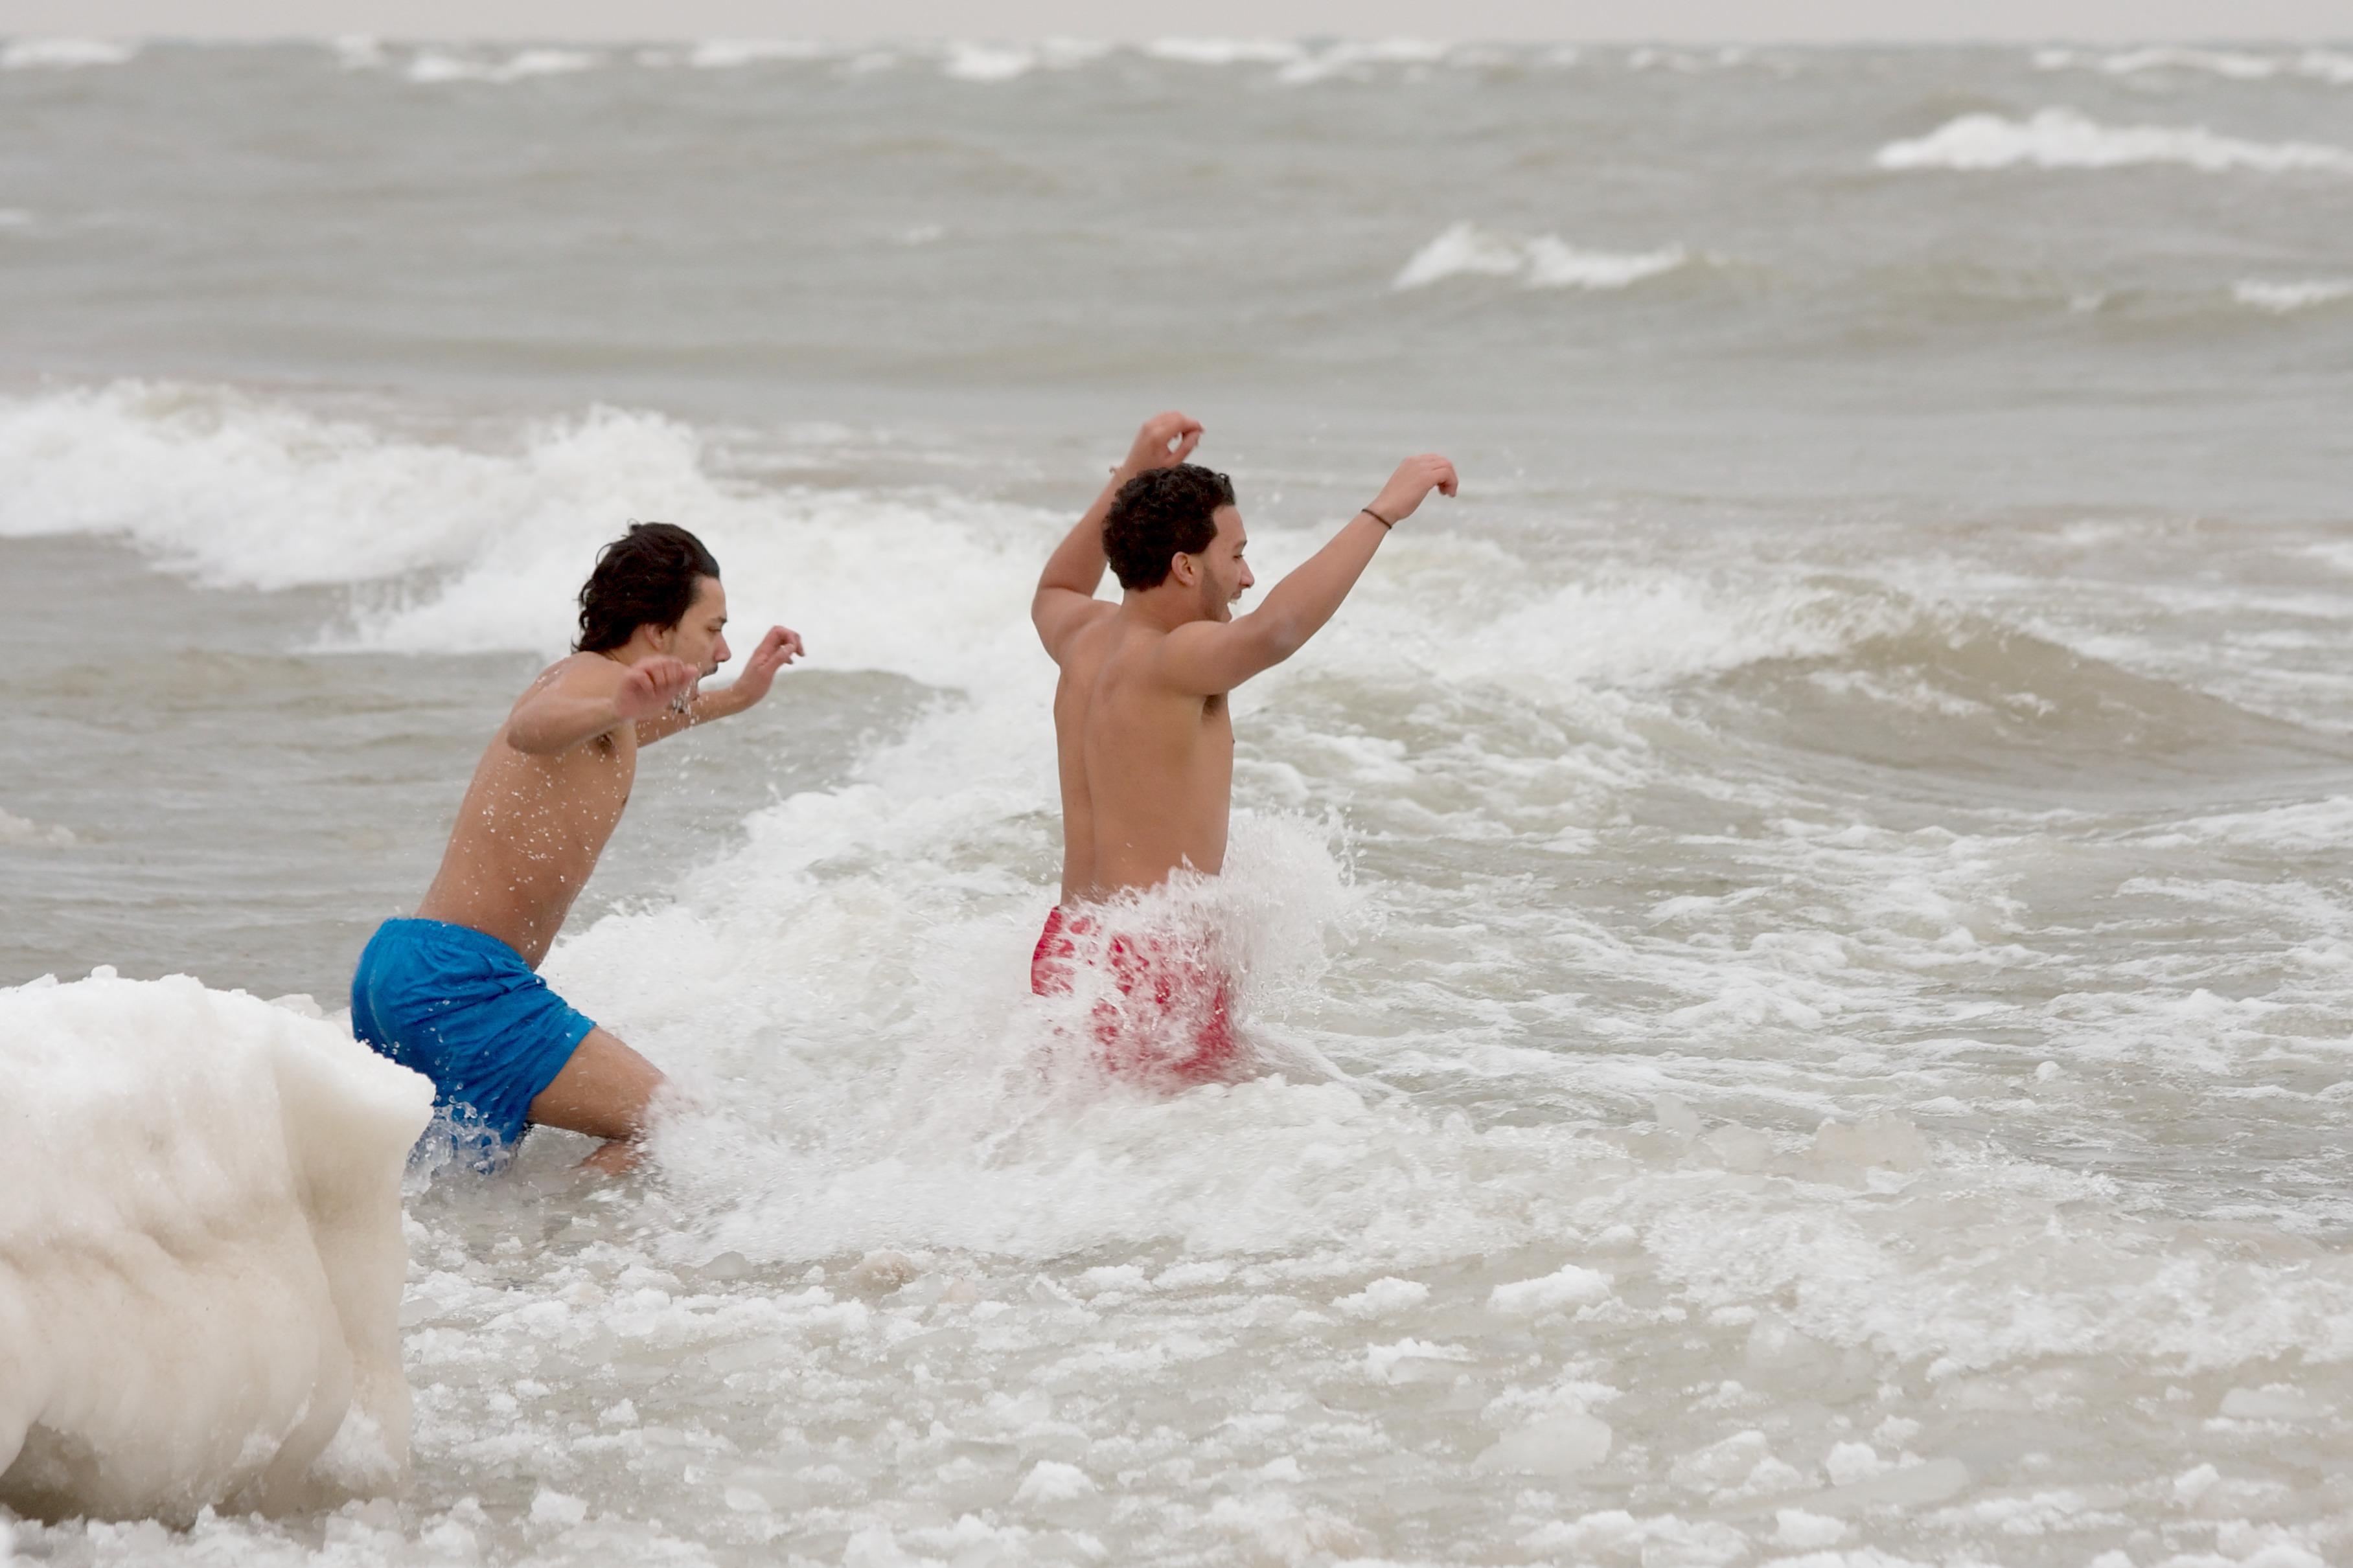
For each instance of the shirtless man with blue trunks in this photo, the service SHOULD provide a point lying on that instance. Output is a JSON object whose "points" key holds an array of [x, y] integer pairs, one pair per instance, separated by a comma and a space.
{"points": [[453, 993]]}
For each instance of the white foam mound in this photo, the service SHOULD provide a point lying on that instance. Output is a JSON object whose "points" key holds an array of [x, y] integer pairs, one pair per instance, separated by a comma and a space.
{"points": [[1546, 261], [2063, 138], [201, 1256]]}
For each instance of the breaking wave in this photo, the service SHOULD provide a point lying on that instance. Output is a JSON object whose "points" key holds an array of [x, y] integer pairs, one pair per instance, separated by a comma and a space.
{"points": [[1544, 261], [2063, 139]]}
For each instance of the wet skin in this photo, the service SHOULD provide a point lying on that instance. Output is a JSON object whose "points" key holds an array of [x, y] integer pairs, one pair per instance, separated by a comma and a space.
{"points": [[544, 799], [1143, 731]]}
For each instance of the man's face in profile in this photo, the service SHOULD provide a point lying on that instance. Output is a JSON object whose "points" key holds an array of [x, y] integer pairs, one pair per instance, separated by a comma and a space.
{"points": [[1225, 575], [700, 637]]}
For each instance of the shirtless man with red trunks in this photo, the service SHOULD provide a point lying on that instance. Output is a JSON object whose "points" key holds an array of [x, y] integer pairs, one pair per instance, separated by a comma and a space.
{"points": [[1144, 731]]}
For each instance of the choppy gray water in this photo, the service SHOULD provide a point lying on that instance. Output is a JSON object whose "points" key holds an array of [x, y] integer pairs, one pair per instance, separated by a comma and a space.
{"points": [[1805, 918]]}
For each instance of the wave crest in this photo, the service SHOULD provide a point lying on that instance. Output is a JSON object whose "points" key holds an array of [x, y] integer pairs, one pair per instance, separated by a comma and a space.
{"points": [[64, 54], [1546, 261], [2281, 299], [2063, 138], [2236, 65], [432, 67]]}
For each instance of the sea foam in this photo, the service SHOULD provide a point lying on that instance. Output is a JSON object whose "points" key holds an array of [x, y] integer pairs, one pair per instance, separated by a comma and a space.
{"points": [[201, 1252], [2063, 139], [726, 54], [1354, 59], [431, 65], [2279, 299], [231, 489], [983, 62], [15, 829], [64, 54], [1081, 1273], [2236, 65], [1201, 51], [1544, 261]]}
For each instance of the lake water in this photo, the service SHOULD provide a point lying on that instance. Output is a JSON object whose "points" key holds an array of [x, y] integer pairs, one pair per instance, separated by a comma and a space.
{"points": [[1800, 926]]}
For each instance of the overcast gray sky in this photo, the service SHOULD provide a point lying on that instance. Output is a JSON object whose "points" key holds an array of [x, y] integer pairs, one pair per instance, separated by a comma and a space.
{"points": [[1753, 21]]}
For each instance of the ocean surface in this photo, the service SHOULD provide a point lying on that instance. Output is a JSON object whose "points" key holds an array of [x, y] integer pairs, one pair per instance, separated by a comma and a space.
{"points": [[1801, 929]]}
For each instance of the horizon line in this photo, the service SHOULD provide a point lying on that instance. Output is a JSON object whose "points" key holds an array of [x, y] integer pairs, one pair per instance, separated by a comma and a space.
{"points": [[1111, 41]]}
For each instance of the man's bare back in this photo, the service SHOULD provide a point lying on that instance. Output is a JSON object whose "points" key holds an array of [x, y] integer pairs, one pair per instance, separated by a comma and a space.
{"points": [[1143, 725], [1147, 773]]}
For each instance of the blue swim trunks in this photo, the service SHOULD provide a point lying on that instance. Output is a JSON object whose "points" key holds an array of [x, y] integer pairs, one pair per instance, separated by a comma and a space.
{"points": [[465, 1010]]}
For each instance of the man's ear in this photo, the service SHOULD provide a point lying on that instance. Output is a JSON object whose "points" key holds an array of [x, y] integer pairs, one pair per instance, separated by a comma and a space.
{"points": [[1185, 569]]}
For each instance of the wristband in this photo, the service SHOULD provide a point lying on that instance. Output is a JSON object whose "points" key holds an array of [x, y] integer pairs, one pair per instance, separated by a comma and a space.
{"points": [[1377, 516]]}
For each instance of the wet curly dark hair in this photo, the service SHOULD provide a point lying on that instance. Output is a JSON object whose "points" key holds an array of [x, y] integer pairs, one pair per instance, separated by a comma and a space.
{"points": [[649, 576], [1157, 514]]}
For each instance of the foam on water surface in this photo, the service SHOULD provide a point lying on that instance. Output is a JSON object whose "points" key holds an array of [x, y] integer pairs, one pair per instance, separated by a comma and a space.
{"points": [[726, 54], [2328, 66], [64, 54], [1669, 1144], [2066, 139], [1542, 262], [15, 829], [433, 66], [1214, 51], [2281, 299]]}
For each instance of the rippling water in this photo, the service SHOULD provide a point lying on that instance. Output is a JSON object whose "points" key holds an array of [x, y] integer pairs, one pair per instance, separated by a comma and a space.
{"points": [[1803, 921]]}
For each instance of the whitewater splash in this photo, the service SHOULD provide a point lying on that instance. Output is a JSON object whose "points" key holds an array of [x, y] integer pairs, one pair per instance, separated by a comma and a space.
{"points": [[1544, 261], [2063, 139], [201, 1253]]}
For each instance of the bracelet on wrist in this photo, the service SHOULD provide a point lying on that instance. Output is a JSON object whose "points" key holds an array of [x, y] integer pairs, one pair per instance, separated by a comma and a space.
{"points": [[1377, 516]]}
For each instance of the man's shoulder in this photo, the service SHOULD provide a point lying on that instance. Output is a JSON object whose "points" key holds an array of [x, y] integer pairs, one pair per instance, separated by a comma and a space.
{"points": [[1143, 662], [1086, 626], [583, 670]]}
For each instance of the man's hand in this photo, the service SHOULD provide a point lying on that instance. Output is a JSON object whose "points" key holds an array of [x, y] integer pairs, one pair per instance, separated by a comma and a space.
{"points": [[1165, 440], [1412, 484], [777, 649], [654, 687]]}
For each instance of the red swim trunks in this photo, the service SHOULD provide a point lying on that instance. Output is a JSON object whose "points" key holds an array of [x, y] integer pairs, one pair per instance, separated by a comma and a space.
{"points": [[1169, 1019]]}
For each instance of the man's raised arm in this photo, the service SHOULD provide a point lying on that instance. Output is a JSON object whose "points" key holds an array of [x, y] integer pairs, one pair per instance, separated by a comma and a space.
{"points": [[1211, 656], [778, 648], [586, 696], [1066, 589]]}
